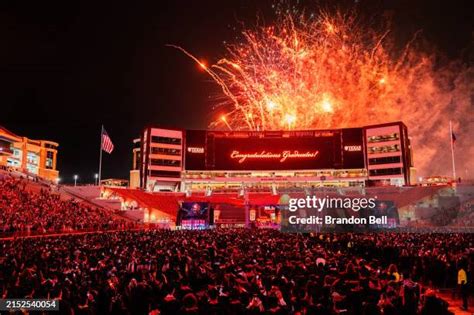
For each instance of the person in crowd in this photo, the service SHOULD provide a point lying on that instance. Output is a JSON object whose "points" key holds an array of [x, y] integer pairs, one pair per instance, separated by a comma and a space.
{"points": [[463, 284]]}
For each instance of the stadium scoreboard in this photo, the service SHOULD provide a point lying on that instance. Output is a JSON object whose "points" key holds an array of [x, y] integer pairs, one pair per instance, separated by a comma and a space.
{"points": [[270, 150]]}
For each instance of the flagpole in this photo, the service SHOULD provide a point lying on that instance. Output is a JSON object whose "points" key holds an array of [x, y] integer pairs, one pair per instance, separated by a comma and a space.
{"points": [[100, 154], [452, 148]]}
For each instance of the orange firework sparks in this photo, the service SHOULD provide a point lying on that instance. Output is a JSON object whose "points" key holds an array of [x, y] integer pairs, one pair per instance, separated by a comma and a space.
{"points": [[330, 71], [307, 73]]}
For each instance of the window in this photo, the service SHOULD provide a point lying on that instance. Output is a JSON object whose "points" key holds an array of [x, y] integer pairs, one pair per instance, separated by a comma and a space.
{"points": [[5, 147], [384, 138], [32, 158], [137, 161], [170, 174], [167, 140], [13, 163], [384, 160], [32, 169], [163, 162], [166, 151], [50, 146], [49, 160], [386, 171], [384, 149]]}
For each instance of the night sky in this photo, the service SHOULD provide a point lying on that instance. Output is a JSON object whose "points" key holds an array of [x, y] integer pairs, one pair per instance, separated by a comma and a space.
{"points": [[69, 66]]}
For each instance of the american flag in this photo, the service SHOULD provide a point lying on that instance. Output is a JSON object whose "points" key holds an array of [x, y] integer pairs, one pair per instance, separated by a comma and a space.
{"points": [[107, 144]]}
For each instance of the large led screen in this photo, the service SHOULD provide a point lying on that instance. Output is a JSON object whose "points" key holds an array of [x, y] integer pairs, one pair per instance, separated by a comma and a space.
{"points": [[298, 150]]}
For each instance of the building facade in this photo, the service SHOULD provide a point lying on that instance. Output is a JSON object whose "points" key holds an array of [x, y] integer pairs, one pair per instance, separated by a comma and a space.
{"points": [[389, 154], [32, 157], [206, 160], [160, 159]]}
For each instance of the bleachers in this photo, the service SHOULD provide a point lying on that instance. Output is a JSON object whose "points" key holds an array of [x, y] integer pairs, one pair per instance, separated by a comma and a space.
{"points": [[165, 202], [406, 195], [90, 194], [402, 196], [28, 207]]}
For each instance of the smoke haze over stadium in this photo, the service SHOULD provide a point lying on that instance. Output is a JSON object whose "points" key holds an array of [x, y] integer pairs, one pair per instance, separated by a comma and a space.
{"points": [[70, 67]]}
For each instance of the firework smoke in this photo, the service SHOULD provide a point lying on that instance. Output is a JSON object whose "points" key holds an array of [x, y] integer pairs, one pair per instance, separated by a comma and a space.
{"points": [[329, 71]]}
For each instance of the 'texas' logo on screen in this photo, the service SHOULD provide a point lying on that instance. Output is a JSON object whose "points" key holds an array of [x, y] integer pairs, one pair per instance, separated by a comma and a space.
{"points": [[353, 148], [195, 149]]}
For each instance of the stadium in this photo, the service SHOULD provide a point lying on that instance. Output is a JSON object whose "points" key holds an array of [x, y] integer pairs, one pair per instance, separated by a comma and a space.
{"points": [[323, 166], [91, 253], [204, 226], [247, 173], [201, 229]]}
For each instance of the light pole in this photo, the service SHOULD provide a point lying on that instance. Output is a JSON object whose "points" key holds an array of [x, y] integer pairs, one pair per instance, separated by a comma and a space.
{"points": [[58, 180], [96, 176], [75, 180]]}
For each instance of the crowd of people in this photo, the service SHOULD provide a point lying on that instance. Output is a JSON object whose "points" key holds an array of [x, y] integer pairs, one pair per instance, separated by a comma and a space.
{"points": [[218, 271], [24, 211], [465, 216], [236, 271]]}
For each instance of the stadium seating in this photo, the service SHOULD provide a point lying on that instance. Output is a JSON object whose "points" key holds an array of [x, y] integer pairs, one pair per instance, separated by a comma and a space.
{"points": [[29, 207]]}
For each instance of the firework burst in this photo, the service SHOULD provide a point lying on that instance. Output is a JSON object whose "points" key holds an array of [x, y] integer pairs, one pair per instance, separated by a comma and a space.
{"points": [[330, 71], [308, 73]]}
